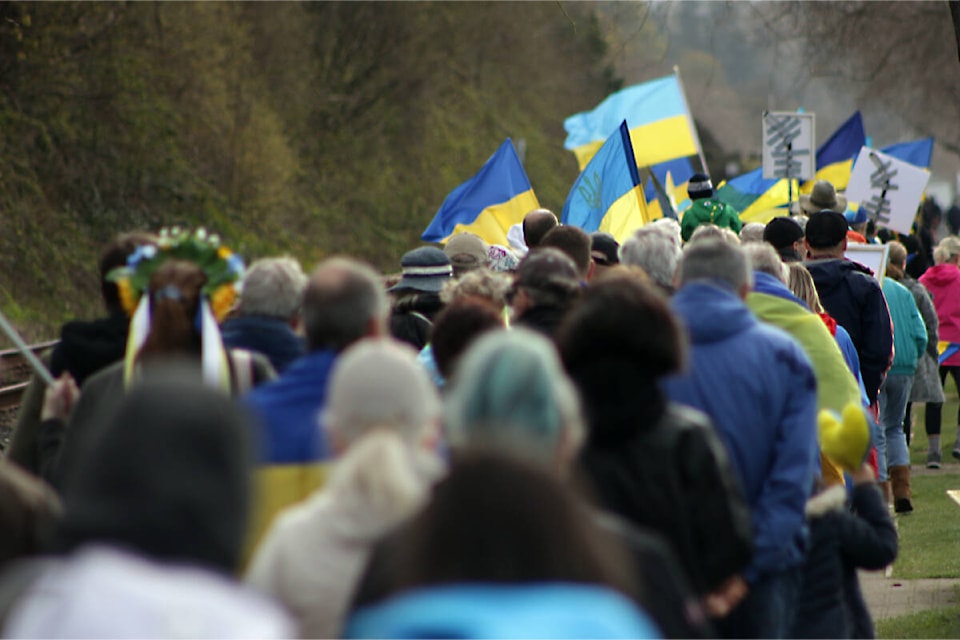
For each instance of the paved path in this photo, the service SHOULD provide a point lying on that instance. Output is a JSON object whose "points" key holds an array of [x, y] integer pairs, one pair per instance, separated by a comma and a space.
{"points": [[890, 597]]}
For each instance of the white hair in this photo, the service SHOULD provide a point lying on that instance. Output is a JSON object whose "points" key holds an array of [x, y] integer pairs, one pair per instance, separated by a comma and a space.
{"points": [[656, 249], [752, 232], [765, 258]]}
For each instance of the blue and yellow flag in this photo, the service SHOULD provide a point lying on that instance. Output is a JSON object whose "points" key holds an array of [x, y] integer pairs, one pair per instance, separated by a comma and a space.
{"points": [[662, 126], [835, 156], [673, 176], [608, 195], [489, 203]]}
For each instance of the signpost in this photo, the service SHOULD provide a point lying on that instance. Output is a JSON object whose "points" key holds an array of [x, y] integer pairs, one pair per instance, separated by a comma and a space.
{"points": [[788, 147]]}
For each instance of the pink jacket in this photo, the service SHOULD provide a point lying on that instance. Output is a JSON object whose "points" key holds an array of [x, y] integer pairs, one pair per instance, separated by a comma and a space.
{"points": [[943, 282]]}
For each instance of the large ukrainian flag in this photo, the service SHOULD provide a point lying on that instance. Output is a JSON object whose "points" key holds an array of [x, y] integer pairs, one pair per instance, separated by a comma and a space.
{"points": [[662, 126], [608, 195], [489, 203]]}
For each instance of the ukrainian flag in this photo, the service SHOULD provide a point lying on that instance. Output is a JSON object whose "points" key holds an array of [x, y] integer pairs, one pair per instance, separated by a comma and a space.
{"points": [[489, 203], [608, 196], [835, 156], [918, 152], [760, 200], [663, 129]]}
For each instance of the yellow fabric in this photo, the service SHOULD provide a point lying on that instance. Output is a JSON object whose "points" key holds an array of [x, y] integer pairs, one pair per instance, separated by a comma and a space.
{"points": [[494, 222], [653, 143], [626, 215], [844, 438], [837, 174], [277, 487], [764, 209]]}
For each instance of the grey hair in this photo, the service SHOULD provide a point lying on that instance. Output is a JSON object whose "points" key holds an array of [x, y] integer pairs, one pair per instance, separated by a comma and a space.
{"points": [[669, 225], [482, 283], [752, 232], [716, 260], [511, 391], [341, 299], [656, 249], [273, 287], [765, 258]]}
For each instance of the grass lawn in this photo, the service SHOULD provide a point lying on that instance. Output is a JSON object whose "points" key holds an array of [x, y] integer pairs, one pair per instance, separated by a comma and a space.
{"points": [[936, 623], [930, 536], [948, 430]]}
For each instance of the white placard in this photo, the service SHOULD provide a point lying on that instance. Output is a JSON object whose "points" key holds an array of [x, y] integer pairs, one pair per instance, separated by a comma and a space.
{"points": [[869, 255], [889, 189], [788, 145]]}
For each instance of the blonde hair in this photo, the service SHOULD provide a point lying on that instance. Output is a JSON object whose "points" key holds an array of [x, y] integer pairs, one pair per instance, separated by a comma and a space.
{"points": [[801, 284], [946, 250]]}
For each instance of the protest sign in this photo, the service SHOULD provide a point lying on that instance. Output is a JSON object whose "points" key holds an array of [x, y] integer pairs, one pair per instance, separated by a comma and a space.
{"points": [[788, 143], [889, 189]]}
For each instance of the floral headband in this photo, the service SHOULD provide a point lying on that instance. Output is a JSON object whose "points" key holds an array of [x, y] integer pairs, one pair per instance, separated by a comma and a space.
{"points": [[223, 268]]}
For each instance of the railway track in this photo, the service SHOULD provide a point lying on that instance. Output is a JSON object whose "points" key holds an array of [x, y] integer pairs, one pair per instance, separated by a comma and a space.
{"points": [[15, 375]]}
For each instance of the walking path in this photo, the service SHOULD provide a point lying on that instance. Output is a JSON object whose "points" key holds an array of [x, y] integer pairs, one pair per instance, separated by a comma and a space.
{"points": [[888, 597]]}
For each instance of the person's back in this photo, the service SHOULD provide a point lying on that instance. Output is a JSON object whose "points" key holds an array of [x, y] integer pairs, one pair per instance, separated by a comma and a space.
{"points": [[706, 209], [850, 294], [343, 302], [268, 311], [155, 513], [381, 409], [655, 463], [758, 388]]}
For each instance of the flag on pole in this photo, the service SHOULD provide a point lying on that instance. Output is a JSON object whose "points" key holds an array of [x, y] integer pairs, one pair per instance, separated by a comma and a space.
{"points": [[662, 126], [608, 196], [835, 156], [489, 203]]}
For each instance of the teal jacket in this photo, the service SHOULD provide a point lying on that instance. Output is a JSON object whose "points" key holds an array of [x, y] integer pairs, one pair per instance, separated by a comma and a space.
{"points": [[709, 211], [909, 331]]}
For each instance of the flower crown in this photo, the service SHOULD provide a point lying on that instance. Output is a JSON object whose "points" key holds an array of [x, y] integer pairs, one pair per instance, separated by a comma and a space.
{"points": [[222, 267]]}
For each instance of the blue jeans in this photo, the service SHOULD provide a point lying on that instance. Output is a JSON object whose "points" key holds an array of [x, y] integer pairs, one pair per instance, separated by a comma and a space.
{"points": [[890, 441], [767, 611]]}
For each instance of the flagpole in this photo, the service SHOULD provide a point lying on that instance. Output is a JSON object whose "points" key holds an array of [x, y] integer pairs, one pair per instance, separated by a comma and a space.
{"points": [[693, 128]]}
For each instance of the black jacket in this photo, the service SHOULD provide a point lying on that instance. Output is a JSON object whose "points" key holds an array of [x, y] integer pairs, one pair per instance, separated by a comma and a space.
{"points": [[830, 603], [853, 297], [670, 473], [86, 347]]}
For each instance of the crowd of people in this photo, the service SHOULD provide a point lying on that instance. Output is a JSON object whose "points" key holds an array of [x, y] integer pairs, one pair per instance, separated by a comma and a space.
{"points": [[559, 437]]}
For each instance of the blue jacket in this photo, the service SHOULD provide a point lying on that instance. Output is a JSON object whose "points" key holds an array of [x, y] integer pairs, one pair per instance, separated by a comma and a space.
{"points": [[853, 297], [288, 411], [909, 330], [478, 610], [758, 386], [293, 450], [272, 337]]}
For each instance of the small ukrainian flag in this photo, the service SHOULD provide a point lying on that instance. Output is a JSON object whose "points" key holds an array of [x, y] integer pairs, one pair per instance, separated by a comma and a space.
{"points": [[489, 203], [608, 195]]}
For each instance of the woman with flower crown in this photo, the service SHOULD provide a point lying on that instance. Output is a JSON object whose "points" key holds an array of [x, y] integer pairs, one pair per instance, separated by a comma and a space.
{"points": [[177, 291]]}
